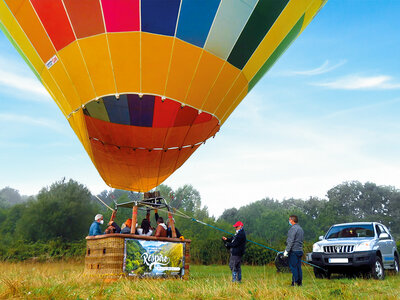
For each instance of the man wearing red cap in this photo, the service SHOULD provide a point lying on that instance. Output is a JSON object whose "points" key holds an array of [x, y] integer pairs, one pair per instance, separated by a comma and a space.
{"points": [[236, 245]]}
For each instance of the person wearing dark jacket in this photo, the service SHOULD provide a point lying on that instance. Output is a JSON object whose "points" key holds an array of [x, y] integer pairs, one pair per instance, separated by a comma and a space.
{"points": [[112, 228], [294, 249], [169, 230], [236, 245]]}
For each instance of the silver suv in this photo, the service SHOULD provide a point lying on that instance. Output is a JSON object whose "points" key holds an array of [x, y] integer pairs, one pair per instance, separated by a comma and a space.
{"points": [[363, 246]]}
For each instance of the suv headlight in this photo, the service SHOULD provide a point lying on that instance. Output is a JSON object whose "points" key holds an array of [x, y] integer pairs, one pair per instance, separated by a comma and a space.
{"points": [[317, 248], [366, 246]]}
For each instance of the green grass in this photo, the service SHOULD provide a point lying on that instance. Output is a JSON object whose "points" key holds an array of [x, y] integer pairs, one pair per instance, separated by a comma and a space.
{"points": [[65, 280]]}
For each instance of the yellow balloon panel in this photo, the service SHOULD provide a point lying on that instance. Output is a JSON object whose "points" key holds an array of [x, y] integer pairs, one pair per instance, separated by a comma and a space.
{"points": [[185, 58], [235, 103], [239, 85], [97, 57], [75, 66], [15, 5], [156, 56], [125, 54], [64, 82], [220, 88], [206, 74]]}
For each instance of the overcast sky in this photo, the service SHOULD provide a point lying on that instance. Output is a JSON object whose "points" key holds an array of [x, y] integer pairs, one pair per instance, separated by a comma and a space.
{"points": [[327, 112]]}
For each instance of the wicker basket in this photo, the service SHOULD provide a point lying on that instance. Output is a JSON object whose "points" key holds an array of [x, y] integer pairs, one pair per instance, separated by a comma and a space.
{"points": [[105, 257], [105, 254]]}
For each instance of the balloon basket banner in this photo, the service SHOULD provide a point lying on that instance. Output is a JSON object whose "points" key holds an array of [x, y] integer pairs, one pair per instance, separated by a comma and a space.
{"points": [[113, 256], [154, 258]]}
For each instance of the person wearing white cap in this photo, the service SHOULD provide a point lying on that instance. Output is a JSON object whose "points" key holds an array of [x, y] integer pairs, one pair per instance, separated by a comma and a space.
{"points": [[95, 227], [236, 244]]}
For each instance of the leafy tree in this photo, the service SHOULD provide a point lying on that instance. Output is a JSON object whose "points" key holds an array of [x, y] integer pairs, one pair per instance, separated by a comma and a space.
{"points": [[229, 215], [313, 207], [12, 217], [9, 197], [355, 201], [187, 198], [64, 210], [166, 192], [3, 203]]}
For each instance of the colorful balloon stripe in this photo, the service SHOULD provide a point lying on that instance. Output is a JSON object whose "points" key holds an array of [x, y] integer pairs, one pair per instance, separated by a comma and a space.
{"points": [[195, 20], [121, 15], [117, 109], [277, 53], [85, 24], [55, 21], [261, 20], [141, 110], [145, 111], [228, 24], [160, 16]]}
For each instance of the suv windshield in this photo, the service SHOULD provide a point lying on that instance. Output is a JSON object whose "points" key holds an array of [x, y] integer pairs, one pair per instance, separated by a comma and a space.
{"points": [[351, 231]]}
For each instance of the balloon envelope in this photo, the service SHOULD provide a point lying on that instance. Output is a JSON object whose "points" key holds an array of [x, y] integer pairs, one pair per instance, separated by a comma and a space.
{"points": [[144, 83]]}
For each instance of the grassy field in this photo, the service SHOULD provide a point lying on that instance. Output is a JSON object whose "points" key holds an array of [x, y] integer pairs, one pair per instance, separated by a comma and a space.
{"points": [[65, 280]]}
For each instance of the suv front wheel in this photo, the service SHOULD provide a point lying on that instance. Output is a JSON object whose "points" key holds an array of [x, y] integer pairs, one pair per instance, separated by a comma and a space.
{"points": [[396, 265], [377, 270]]}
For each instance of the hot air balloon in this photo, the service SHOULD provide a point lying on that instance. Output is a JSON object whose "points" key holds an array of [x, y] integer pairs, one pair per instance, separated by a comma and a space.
{"points": [[143, 83]]}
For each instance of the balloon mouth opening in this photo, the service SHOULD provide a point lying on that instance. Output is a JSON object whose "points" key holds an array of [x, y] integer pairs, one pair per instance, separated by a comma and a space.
{"points": [[145, 110], [146, 122], [147, 137]]}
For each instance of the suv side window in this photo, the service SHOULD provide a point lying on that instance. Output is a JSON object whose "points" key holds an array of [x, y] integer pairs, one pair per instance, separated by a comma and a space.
{"points": [[382, 229], [387, 231], [378, 231]]}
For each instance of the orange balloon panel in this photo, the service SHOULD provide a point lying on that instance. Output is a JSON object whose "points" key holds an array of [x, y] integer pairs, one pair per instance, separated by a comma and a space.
{"points": [[144, 83], [139, 169]]}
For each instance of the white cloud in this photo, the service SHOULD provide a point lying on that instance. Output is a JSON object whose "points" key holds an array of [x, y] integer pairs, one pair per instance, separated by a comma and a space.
{"points": [[324, 68], [16, 76], [360, 108], [358, 82], [21, 119], [25, 84]]}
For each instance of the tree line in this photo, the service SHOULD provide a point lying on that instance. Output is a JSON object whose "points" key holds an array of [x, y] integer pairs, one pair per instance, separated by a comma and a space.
{"points": [[54, 223]]}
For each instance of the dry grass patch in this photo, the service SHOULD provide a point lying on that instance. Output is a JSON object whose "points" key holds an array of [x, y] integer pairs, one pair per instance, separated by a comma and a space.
{"points": [[65, 280]]}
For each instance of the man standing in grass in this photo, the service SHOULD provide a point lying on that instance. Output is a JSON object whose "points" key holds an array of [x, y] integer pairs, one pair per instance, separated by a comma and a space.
{"points": [[237, 245], [294, 249]]}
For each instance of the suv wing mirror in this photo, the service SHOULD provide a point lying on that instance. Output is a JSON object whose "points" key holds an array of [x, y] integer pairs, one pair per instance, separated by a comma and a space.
{"points": [[384, 236], [321, 237]]}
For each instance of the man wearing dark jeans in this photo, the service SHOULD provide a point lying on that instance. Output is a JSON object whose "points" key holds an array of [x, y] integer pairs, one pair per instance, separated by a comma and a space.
{"points": [[294, 248], [236, 244]]}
